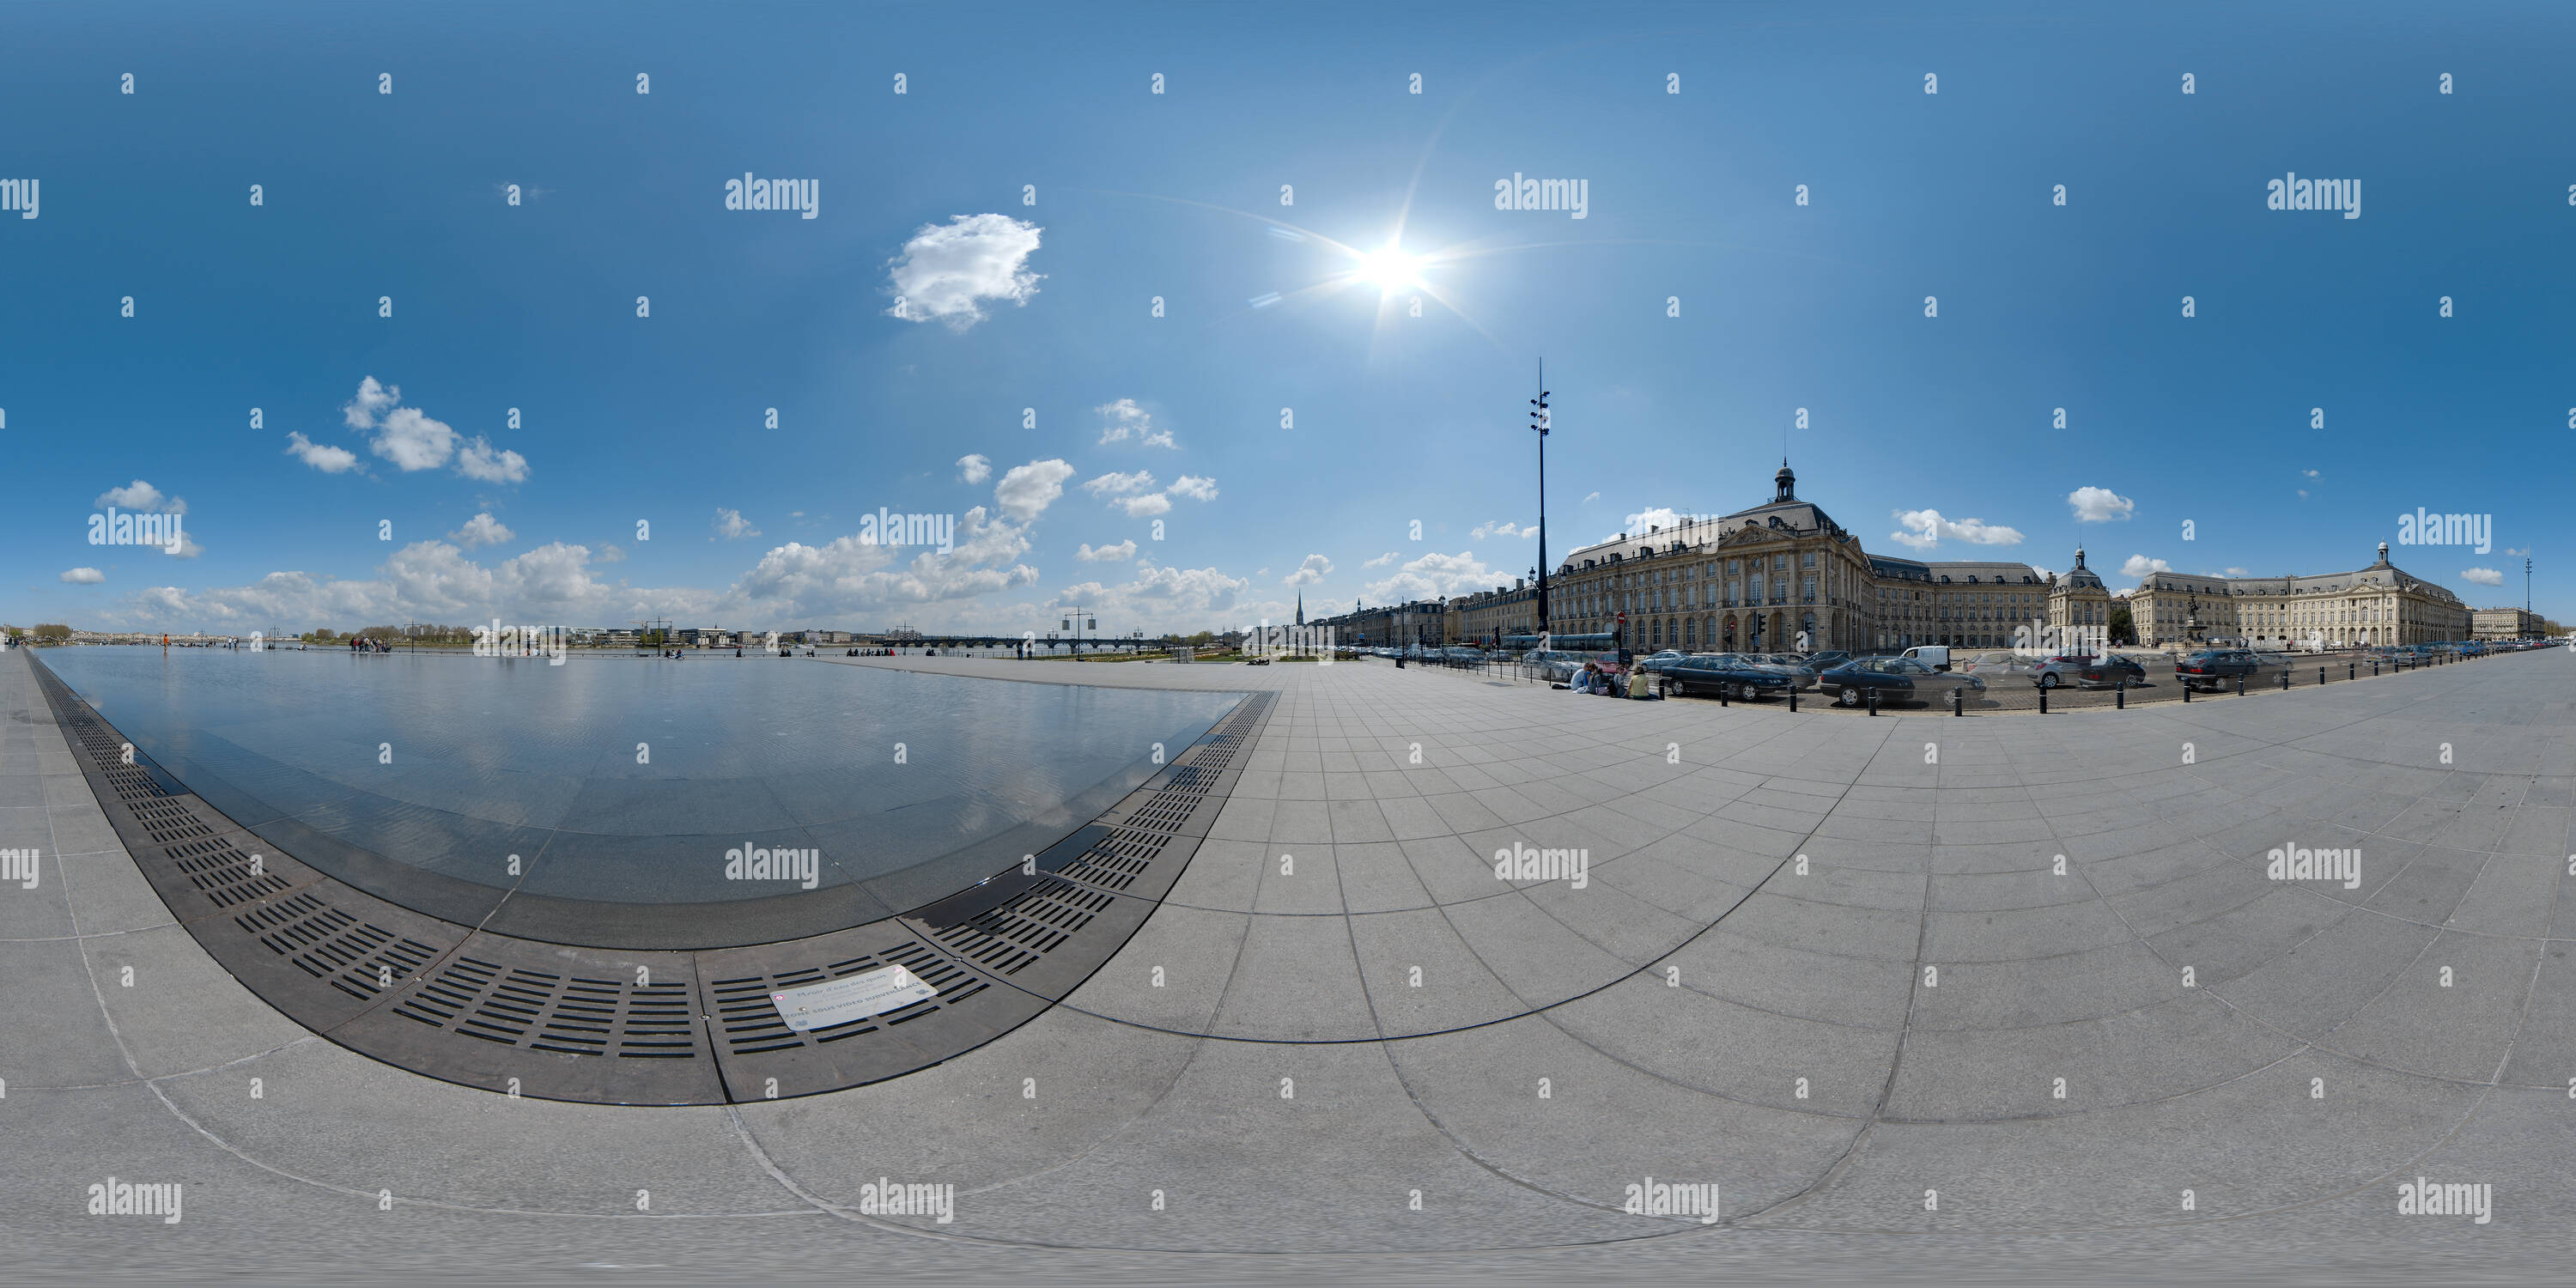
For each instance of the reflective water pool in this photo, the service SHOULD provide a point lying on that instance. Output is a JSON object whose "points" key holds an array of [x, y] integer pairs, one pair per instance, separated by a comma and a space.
{"points": [[632, 801]]}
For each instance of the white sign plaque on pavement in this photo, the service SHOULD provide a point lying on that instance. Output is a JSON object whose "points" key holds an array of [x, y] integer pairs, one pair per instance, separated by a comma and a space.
{"points": [[851, 997]]}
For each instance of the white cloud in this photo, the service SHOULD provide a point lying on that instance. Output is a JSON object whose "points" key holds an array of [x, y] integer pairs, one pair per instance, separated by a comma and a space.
{"points": [[2310, 473], [1434, 575], [947, 270], [2140, 566], [372, 400], [2517, 554], [1500, 528], [83, 576], [1159, 597], [141, 496], [848, 575], [1589, 498], [1120, 553], [1195, 487], [428, 579], [2238, 572], [1313, 569], [2099, 505], [611, 554], [1662, 516], [1381, 561], [412, 440], [1115, 484], [974, 468], [2044, 574], [478, 460], [188, 548], [1029, 489], [1926, 528], [730, 524], [321, 456], [481, 530], [2482, 576], [1123, 419], [1146, 506]]}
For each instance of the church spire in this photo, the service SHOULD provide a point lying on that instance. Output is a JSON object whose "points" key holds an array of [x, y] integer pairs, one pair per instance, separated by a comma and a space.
{"points": [[1301, 608]]}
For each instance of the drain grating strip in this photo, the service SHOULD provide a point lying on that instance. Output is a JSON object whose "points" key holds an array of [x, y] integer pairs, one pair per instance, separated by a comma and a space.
{"points": [[553, 1021]]}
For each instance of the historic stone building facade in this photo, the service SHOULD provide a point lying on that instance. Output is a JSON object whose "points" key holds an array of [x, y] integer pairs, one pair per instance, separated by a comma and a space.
{"points": [[1753, 581], [1756, 580], [2380, 604], [2505, 624]]}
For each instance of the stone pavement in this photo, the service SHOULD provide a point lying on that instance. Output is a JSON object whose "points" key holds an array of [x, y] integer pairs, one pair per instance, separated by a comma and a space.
{"points": [[1832, 966]]}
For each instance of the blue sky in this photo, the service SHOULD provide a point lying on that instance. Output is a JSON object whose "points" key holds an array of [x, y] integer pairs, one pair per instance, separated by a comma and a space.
{"points": [[1396, 418]]}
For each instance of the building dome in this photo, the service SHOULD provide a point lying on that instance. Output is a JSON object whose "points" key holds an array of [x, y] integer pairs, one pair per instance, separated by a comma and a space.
{"points": [[2081, 576]]}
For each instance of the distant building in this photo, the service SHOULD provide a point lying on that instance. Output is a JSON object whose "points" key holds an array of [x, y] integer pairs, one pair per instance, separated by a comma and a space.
{"points": [[2506, 624], [2380, 604]]}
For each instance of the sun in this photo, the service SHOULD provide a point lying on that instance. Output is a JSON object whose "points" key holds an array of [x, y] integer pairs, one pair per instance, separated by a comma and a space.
{"points": [[1389, 269]]}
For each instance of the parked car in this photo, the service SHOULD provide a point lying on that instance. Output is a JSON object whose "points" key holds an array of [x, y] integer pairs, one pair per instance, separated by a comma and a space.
{"points": [[1827, 660], [1656, 664], [1936, 656], [1727, 673], [1553, 664], [1793, 665], [1996, 664], [2088, 671], [1851, 682], [2211, 667]]}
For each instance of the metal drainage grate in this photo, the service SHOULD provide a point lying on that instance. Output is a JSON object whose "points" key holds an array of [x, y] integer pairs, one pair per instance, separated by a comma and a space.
{"points": [[541, 1010], [1114, 864], [356, 957], [1006, 939], [288, 932], [752, 1025], [226, 875]]}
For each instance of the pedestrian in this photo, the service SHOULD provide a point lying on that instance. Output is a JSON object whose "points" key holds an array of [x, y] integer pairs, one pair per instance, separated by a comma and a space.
{"points": [[1637, 683]]}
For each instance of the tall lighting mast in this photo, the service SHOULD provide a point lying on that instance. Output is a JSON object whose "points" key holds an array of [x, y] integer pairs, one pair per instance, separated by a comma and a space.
{"points": [[1538, 421]]}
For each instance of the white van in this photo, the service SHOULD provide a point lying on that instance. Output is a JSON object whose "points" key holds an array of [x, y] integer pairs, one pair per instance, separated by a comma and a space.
{"points": [[1936, 656]]}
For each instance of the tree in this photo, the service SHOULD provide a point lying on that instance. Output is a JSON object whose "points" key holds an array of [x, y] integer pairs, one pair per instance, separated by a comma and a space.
{"points": [[52, 632], [2123, 630]]}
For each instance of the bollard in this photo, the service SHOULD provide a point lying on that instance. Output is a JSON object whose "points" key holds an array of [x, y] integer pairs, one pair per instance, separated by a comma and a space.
{"points": [[2186, 690], [2043, 699], [2321, 675], [2352, 670], [2120, 698], [2285, 679], [2240, 684], [1793, 695], [1873, 701], [1721, 694]]}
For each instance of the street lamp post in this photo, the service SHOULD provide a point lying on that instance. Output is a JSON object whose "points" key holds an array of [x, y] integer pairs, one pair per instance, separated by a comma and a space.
{"points": [[1538, 421]]}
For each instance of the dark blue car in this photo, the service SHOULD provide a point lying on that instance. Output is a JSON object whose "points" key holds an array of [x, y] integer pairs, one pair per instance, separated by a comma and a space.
{"points": [[1850, 683], [1728, 674]]}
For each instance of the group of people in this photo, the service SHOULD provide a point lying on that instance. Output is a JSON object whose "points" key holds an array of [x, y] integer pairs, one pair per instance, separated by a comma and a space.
{"points": [[357, 644], [1594, 679]]}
